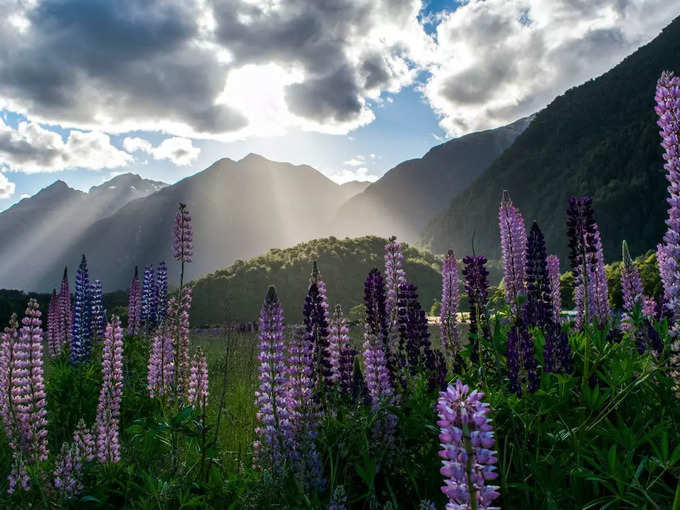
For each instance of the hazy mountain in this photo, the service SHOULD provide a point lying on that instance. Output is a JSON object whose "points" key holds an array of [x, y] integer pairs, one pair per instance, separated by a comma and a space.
{"points": [[599, 139], [410, 194], [239, 209], [353, 188], [38, 231]]}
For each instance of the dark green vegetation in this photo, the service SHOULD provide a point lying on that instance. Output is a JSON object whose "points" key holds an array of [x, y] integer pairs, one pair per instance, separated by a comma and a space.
{"points": [[598, 139], [235, 294]]}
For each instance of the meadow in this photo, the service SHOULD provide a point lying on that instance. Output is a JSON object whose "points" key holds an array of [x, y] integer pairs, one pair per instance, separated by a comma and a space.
{"points": [[522, 404]]}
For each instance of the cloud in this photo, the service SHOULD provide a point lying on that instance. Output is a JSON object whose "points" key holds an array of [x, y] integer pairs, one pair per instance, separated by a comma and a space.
{"points": [[6, 187], [356, 161], [30, 148], [353, 174], [499, 60], [179, 151]]}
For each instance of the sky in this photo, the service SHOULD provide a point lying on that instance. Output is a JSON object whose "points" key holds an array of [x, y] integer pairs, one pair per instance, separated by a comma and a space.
{"points": [[163, 88]]}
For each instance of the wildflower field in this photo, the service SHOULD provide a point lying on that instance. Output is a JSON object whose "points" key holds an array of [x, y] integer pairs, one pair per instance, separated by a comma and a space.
{"points": [[519, 406]]}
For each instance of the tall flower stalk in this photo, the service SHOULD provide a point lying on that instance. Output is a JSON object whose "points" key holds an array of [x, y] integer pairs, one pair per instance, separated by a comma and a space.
{"points": [[631, 283], [539, 307], [338, 343], [198, 381], [553, 265], [513, 246], [97, 309], [181, 343], [161, 293], [468, 458], [315, 319], [134, 305], [477, 288], [81, 338], [273, 429], [450, 306], [149, 299], [602, 311], [53, 312], [183, 239], [108, 409], [65, 314], [395, 277], [161, 368], [581, 229]]}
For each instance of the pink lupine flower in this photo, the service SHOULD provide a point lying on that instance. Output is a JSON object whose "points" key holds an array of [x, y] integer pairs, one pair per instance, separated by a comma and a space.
{"points": [[338, 342], [108, 410], [183, 240], [198, 381], [135, 305], [161, 369], [513, 247], [53, 342], [553, 263], [450, 306]]}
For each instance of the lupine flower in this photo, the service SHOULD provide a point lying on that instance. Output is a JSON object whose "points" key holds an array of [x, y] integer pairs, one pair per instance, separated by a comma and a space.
{"points": [[395, 277], [338, 499], [315, 319], [631, 283], [134, 305], [182, 360], [553, 264], [108, 410], [302, 410], [161, 293], [81, 338], [467, 439], [599, 276], [161, 369], [649, 306], [97, 309], [183, 239], [666, 265], [521, 363], [647, 337], [24, 406], [477, 288], [539, 307], [198, 381], [513, 246], [376, 315], [149, 296], [53, 341], [557, 353], [65, 318], [84, 441], [273, 430], [346, 379], [69, 464], [427, 504], [450, 306], [581, 229], [338, 342]]}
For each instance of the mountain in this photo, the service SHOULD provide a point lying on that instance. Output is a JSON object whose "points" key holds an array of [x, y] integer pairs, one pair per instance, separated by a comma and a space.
{"points": [[236, 292], [403, 200], [39, 230], [599, 139], [353, 188], [239, 209]]}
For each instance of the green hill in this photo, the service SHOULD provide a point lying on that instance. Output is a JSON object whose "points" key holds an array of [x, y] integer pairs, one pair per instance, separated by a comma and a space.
{"points": [[236, 293], [598, 139]]}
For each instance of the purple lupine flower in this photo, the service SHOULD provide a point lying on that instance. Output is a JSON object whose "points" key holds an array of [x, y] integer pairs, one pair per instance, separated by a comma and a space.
{"points": [[65, 317], [338, 342], [81, 337], [395, 277], [182, 359], [84, 441], [315, 314], [273, 430], [581, 230], [539, 307], [513, 247], [198, 381], [53, 341], [149, 304], [161, 369], [553, 264], [477, 289], [450, 306], [647, 337], [631, 283], [427, 504], [302, 410], [69, 464], [108, 409], [521, 363], [338, 499], [599, 277], [649, 306], [557, 353], [161, 293], [346, 379], [376, 315], [25, 402], [7, 340], [666, 265], [467, 439], [97, 309], [134, 305], [183, 235]]}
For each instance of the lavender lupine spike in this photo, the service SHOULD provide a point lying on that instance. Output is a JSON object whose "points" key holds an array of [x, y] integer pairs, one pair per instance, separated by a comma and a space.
{"points": [[553, 263], [338, 342], [521, 363], [467, 439], [65, 318], [315, 318], [69, 464], [148, 313], [81, 338], [302, 410], [395, 277], [97, 309], [539, 307], [161, 293], [108, 409], [198, 381], [181, 354], [53, 342], [183, 239], [666, 267], [513, 247], [84, 441], [557, 353], [161, 368], [134, 305], [631, 283], [450, 306], [477, 288], [581, 229], [602, 311], [273, 430]]}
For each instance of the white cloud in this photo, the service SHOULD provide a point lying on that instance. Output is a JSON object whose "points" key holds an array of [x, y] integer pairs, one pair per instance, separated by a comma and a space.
{"points": [[179, 151], [30, 148], [352, 174], [355, 161], [6, 187], [498, 60]]}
